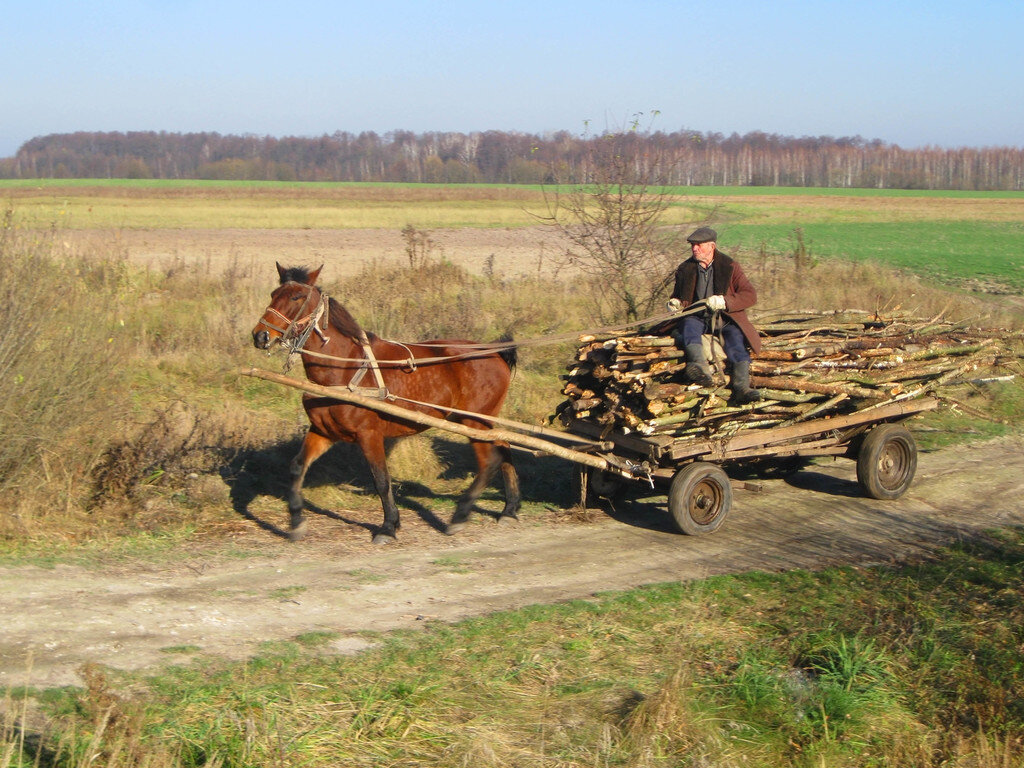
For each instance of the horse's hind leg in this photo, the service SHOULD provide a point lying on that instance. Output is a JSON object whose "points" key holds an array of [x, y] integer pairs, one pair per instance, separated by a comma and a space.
{"points": [[488, 459], [513, 498], [313, 447]]}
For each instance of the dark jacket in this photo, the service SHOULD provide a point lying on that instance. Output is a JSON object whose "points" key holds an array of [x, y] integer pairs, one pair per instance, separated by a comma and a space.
{"points": [[728, 281]]}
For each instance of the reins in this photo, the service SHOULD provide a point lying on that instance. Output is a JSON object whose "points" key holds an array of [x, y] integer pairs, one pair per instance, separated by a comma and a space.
{"points": [[295, 335], [474, 349]]}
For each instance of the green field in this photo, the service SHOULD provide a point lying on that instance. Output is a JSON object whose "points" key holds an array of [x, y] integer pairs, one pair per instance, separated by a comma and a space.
{"points": [[991, 252], [941, 235]]}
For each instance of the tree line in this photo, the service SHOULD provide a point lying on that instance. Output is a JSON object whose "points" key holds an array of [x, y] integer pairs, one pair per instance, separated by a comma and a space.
{"points": [[507, 157]]}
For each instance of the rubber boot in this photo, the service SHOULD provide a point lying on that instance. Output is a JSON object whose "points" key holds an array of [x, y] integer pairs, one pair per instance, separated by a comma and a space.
{"points": [[740, 385], [697, 369]]}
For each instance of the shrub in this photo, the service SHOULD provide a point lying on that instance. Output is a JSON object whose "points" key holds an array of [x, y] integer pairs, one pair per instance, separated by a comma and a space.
{"points": [[59, 373]]}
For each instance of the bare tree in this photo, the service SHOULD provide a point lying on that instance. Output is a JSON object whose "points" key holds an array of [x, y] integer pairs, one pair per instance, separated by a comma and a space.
{"points": [[611, 219]]}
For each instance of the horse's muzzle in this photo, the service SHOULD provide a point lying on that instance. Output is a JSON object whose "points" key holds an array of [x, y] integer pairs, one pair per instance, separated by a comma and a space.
{"points": [[261, 339]]}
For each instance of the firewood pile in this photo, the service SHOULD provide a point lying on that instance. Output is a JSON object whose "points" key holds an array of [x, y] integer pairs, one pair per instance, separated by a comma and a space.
{"points": [[812, 365]]}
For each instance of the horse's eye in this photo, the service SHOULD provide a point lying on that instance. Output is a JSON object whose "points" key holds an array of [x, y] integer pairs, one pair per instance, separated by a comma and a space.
{"points": [[298, 298]]}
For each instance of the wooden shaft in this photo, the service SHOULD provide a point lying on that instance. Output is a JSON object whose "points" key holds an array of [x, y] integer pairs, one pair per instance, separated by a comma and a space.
{"points": [[405, 414]]}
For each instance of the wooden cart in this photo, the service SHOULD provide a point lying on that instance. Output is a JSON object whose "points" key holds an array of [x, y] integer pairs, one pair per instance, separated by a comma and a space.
{"points": [[699, 490]]}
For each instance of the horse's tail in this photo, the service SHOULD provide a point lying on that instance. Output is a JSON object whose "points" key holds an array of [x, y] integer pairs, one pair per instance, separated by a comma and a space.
{"points": [[509, 354]]}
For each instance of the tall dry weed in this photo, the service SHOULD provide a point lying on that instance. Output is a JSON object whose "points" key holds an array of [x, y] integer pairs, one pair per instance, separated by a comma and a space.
{"points": [[110, 732], [440, 300], [188, 313], [666, 727], [60, 373]]}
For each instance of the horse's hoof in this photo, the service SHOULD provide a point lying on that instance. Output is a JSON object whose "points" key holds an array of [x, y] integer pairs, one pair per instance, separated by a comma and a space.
{"points": [[507, 519], [384, 538], [298, 533], [452, 528]]}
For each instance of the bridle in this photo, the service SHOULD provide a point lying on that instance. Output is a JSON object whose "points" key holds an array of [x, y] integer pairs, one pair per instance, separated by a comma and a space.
{"points": [[296, 333]]}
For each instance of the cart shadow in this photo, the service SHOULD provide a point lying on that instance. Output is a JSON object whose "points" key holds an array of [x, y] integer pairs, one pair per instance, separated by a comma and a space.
{"points": [[799, 473], [822, 482], [641, 507], [545, 480], [637, 511]]}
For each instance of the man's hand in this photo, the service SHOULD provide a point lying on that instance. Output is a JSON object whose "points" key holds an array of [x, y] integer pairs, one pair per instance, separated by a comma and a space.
{"points": [[674, 305], [715, 303]]}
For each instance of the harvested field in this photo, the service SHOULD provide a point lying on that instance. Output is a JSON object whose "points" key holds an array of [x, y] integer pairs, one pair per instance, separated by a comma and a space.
{"points": [[509, 251]]}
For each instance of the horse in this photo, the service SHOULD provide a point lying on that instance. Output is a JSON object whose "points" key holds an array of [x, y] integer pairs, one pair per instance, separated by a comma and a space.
{"points": [[455, 379]]}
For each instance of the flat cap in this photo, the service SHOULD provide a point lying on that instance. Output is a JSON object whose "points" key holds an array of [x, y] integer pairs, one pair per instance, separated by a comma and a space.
{"points": [[703, 235]]}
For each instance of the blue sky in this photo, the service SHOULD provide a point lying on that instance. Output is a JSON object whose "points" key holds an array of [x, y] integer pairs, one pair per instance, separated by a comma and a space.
{"points": [[911, 73]]}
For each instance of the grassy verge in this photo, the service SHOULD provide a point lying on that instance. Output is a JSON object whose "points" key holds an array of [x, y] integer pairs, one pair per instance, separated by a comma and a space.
{"points": [[912, 666]]}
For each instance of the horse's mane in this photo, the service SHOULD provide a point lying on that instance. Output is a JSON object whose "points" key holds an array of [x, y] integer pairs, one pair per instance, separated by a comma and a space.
{"points": [[340, 317], [295, 275]]}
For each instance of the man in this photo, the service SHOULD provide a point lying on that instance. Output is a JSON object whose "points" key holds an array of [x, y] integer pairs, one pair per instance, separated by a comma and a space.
{"points": [[717, 280]]}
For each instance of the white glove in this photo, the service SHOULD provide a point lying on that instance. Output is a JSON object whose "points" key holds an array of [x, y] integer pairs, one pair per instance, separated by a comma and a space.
{"points": [[715, 303], [674, 305]]}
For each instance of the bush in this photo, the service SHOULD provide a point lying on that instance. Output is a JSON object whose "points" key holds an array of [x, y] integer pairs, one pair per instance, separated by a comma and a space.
{"points": [[59, 377]]}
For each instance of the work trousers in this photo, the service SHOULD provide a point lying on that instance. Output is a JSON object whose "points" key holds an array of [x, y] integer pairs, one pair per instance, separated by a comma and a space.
{"points": [[692, 327]]}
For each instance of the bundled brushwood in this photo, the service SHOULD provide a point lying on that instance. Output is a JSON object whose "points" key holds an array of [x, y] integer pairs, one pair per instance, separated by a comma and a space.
{"points": [[812, 365]]}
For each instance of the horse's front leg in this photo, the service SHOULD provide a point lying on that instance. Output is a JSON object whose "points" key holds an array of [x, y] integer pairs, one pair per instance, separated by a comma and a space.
{"points": [[372, 444], [313, 447]]}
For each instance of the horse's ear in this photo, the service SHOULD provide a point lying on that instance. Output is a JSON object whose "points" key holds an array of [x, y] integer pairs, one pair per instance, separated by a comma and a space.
{"points": [[314, 274], [280, 271]]}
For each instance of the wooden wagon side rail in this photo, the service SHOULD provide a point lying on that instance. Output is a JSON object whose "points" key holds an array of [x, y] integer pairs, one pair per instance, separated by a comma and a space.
{"points": [[734, 447], [405, 414]]}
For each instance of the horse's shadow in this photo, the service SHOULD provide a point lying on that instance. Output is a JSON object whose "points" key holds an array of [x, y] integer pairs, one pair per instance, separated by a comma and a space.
{"points": [[264, 472]]}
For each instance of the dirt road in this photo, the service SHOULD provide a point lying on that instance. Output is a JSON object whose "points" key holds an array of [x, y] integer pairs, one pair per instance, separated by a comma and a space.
{"points": [[137, 616]]}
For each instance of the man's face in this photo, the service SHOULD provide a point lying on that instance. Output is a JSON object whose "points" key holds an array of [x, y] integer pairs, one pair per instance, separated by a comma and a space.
{"points": [[704, 253]]}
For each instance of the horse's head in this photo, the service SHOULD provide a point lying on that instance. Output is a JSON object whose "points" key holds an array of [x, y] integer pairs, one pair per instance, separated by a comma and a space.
{"points": [[295, 305]]}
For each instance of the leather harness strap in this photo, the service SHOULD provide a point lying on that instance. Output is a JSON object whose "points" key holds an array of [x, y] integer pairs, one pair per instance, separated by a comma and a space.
{"points": [[371, 363]]}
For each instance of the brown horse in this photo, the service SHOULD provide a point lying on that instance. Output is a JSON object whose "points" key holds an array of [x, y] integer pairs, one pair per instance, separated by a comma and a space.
{"points": [[453, 380]]}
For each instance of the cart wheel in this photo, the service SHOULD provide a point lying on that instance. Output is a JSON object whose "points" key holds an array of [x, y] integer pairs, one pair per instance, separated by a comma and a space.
{"points": [[886, 461], [604, 485], [699, 498]]}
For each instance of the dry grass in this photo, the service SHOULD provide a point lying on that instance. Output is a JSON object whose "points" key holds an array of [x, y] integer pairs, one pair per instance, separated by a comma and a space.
{"points": [[852, 208], [60, 380], [285, 206], [310, 207]]}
